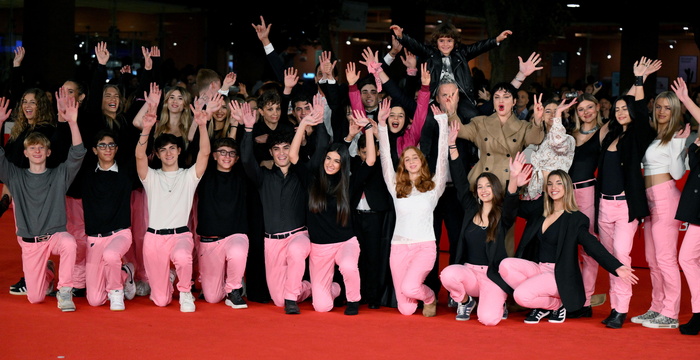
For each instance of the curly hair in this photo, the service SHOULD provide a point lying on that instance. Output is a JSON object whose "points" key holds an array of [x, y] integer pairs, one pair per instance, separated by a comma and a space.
{"points": [[404, 185], [43, 116]]}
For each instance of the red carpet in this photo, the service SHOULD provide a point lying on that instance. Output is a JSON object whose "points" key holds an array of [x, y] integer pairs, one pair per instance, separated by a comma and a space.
{"points": [[263, 331]]}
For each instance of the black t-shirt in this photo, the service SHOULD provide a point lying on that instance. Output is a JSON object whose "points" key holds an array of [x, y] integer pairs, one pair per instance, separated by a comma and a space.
{"points": [[107, 199], [476, 244], [221, 208]]}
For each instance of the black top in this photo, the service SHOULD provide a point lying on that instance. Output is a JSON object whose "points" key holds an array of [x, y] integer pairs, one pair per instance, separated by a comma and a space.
{"points": [[612, 184], [221, 208], [689, 205], [475, 237], [106, 199], [368, 180], [548, 242], [284, 198], [585, 160], [262, 150]]}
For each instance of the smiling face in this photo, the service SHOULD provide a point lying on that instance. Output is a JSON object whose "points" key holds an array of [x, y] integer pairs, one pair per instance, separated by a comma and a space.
{"points": [[548, 115], [175, 102], [484, 189], [605, 104], [622, 113], [37, 154], [412, 162], [369, 96], [280, 154], [168, 155], [587, 111], [29, 106], [73, 89], [225, 157], [223, 112], [503, 102], [332, 164], [301, 109], [397, 119], [105, 150], [445, 45], [110, 101], [555, 187], [662, 110], [271, 113]]}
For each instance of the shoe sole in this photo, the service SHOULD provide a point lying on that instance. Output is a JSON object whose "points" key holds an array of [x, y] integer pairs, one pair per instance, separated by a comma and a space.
{"points": [[557, 321], [660, 326], [18, 292], [229, 303], [462, 319]]}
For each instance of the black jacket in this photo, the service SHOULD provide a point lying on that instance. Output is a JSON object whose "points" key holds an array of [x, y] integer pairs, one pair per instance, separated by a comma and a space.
{"points": [[689, 205]]}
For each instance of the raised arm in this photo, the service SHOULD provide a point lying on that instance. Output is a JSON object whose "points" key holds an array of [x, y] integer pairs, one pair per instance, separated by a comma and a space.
{"points": [[388, 171], [411, 136], [149, 119], [200, 118], [69, 113], [519, 173], [152, 98], [526, 68], [681, 90], [440, 177], [314, 118], [364, 123], [247, 117]]}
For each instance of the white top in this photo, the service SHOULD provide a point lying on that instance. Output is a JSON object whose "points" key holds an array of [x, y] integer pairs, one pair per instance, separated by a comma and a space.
{"points": [[170, 195], [555, 152], [665, 159], [414, 213]]}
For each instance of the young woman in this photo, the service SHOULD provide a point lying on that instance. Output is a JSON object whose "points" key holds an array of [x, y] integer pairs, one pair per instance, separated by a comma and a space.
{"points": [[545, 273], [329, 216], [489, 214], [620, 191], [664, 163], [416, 193]]}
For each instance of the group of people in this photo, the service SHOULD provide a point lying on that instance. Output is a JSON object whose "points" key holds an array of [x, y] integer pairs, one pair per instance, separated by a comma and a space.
{"points": [[336, 190]]}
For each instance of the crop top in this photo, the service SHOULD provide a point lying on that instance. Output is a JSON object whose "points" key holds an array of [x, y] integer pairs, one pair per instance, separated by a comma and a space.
{"points": [[665, 159]]}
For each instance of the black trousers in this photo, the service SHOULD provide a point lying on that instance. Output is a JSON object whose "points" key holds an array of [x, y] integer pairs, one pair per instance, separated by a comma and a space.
{"points": [[449, 211], [374, 257]]}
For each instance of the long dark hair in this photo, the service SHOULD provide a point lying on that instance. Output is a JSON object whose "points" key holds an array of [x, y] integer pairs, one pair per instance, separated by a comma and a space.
{"points": [[615, 130], [338, 185], [494, 215]]}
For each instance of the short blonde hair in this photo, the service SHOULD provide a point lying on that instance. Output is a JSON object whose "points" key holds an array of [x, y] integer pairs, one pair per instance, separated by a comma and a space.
{"points": [[37, 138]]}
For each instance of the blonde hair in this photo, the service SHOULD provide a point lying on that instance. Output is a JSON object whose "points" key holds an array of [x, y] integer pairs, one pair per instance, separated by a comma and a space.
{"points": [[163, 125], [569, 198], [676, 122], [580, 99]]}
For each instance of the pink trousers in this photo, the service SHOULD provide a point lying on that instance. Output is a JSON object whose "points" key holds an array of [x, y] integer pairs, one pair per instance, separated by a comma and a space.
{"points": [[285, 263], [158, 252], [222, 266], [139, 224], [75, 224], [104, 265], [34, 258], [322, 260], [585, 198], [410, 265], [661, 248], [616, 233], [468, 279], [689, 259], [533, 283]]}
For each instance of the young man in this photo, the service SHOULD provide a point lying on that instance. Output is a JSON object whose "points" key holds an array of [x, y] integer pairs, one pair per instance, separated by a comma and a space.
{"points": [[222, 226], [284, 198], [170, 193], [106, 197], [40, 206]]}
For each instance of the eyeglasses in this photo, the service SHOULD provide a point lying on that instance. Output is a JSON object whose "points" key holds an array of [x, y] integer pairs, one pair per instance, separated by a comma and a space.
{"points": [[231, 153], [103, 146]]}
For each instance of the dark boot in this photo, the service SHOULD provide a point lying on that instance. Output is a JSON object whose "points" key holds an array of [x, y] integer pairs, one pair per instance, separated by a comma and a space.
{"points": [[291, 307], [692, 327], [353, 308], [617, 320], [607, 319]]}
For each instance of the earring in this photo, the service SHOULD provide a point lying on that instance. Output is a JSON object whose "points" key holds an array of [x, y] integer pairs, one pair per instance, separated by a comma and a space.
{"points": [[478, 200]]}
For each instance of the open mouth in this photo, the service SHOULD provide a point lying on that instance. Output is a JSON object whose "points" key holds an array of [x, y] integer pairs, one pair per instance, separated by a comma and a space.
{"points": [[395, 124], [501, 107]]}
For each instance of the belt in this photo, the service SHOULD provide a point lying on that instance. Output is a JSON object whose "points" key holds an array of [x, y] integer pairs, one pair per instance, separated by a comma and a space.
{"points": [[584, 184], [180, 230], [209, 239], [37, 239], [108, 233], [611, 197], [284, 235], [365, 211]]}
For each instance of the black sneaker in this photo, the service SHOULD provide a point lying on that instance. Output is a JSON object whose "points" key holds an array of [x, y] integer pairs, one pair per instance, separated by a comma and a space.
{"points": [[235, 300], [20, 288], [353, 308], [536, 315], [291, 307], [558, 316], [78, 292]]}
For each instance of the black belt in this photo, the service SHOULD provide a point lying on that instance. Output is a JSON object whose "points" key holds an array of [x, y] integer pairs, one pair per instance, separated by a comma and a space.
{"points": [[37, 239], [584, 184], [180, 230], [209, 239], [108, 233], [285, 235], [365, 211], [615, 197]]}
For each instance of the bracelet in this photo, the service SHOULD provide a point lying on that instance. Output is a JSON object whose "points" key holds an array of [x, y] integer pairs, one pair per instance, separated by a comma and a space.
{"points": [[412, 72], [452, 146], [639, 81], [368, 126], [143, 134], [519, 80], [248, 127]]}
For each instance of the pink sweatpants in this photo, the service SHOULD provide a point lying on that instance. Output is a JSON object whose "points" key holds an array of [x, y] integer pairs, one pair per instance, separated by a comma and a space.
{"points": [[222, 266], [104, 265], [616, 233], [322, 259], [468, 279], [285, 263], [139, 224], [158, 252], [585, 198], [34, 258], [410, 265], [661, 248], [75, 224], [533, 283], [689, 259]]}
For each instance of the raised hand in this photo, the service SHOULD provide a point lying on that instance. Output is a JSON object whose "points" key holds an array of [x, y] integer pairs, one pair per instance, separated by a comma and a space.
{"points": [[563, 106], [237, 112], [214, 104], [291, 78], [529, 66], [149, 119], [653, 67], [155, 51], [384, 110], [229, 81], [19, 56], [247, 115], [126, 69], [200, 116], [409, 60], [681, 89], [153, 97], [359, 118], [398, 31], [504, 35], [683, 133], [452, 135], [101, 53], [5, 110], [350, 74], [424, 74], [147, 61], [436, 109], [538, 109], [67, 106], [396, 47], [326, 65], [371, 59], [519, 173], [263, 31], [484, 94]]}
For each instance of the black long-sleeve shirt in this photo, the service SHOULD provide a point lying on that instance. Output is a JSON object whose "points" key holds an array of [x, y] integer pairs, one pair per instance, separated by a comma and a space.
{"points": [[221, 209]]}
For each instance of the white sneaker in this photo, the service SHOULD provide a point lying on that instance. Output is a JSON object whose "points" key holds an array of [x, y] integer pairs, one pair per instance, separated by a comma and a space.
{"points": [[65, 299], [129, 284], [187, 302], [649, 315], [142, 288], [116, 300]]}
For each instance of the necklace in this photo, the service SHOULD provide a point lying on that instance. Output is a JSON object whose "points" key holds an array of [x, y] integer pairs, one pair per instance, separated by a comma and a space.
{"points": [[483, 227], [591, 131], [169, 182]]}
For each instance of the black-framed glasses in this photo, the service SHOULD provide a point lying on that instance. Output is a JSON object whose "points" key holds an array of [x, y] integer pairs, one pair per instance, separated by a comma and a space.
{"points": [[103, 146], [231, 153]]}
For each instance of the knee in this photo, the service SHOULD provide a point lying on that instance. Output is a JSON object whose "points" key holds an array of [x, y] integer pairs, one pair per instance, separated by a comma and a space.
{"points": [[111, 257], [448, 274], [182, 257], [490, 321]]}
